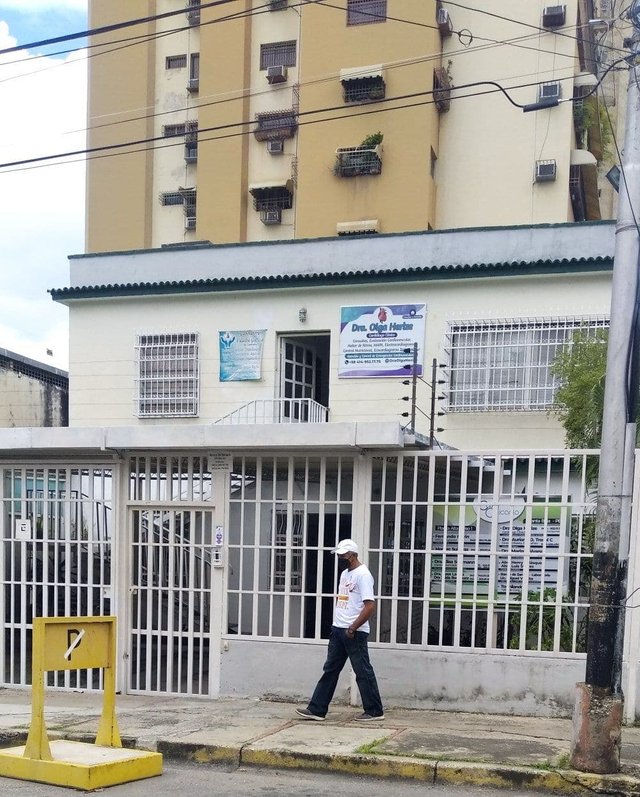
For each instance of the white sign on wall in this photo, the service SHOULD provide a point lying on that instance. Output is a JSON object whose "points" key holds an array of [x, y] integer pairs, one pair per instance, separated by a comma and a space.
{"points": [[378, 340]]}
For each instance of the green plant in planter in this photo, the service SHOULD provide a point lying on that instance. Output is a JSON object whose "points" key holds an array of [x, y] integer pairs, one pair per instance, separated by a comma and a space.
{"points": [[372, 140]]}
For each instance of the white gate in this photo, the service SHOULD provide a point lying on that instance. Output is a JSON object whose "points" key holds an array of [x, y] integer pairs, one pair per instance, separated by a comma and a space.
{"points": [[173, 617], [55, 558], [171, 600]]}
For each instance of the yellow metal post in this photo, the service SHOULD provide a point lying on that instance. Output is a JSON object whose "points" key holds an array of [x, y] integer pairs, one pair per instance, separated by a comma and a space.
{"points": [[37, 746], [76, 643]]}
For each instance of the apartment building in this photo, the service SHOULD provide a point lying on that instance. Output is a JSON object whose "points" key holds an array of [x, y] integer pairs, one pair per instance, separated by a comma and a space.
{"points": [[277, 119]]}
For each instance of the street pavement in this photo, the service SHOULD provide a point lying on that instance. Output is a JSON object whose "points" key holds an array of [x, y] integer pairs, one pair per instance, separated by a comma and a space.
{"points": [[446, 748]]}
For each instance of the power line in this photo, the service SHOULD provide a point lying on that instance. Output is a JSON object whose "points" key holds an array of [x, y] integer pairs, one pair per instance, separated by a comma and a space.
{"points": [[110, 148], [537, 28], [109, 28]]}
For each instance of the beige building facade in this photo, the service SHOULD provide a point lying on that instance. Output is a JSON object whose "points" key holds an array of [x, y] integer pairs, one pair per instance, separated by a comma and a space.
{"points": [[280, 120]]}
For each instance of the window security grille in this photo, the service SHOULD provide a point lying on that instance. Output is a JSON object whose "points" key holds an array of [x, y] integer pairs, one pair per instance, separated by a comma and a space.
{"points": [[506, 365], [176, 61], [363, 12], [194, 73], [171, 198], [368, 89], [441, 90], [277, 54], [273, 199], [356, 161], [168, 375], [276, 125], [168, 131], [193, 12]]}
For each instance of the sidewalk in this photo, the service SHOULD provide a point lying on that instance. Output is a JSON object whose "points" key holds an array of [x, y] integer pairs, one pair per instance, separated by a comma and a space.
{"points": [[440, 747]]}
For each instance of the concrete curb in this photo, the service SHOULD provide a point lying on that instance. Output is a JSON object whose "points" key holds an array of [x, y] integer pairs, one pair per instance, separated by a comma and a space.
{"points": [[450, 773]]}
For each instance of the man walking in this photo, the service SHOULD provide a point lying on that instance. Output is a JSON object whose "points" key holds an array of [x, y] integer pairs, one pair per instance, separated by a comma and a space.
{"points": [[354, 607]]}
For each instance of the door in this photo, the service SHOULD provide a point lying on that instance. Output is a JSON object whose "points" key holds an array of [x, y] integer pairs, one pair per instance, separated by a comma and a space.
{"points": [[171, 624], [304, 376]]}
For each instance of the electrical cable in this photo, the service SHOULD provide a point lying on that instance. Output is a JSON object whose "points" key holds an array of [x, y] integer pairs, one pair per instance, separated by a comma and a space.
{"points": [[537, 28], [152, 140], [110, 28]]}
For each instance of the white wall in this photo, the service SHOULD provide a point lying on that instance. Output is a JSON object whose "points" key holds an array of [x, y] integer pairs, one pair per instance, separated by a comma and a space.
{"points": [[489, 147], [527, 685], [102, 367]]}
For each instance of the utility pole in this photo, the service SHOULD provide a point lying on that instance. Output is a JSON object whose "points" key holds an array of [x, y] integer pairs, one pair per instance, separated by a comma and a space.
{"points": [[597, 718]]}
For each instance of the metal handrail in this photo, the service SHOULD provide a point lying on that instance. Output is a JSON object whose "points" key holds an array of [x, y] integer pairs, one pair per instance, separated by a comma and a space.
{"points": [[283, 410]]}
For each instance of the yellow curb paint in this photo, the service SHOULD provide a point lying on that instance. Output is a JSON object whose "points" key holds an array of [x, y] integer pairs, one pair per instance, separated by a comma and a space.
{"points": [[375, 766], [76, 643]]}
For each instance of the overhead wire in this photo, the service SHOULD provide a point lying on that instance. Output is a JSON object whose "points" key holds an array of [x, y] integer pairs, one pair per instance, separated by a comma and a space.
{"points": [[111, 148], [239, 14], [261, 9]]}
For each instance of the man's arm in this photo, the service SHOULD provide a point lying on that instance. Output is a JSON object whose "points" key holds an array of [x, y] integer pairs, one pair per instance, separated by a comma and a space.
{"points": [[368, 610]]}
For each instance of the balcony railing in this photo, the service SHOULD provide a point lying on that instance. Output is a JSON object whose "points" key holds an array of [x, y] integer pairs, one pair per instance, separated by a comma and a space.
{"points": [[284, 410]]}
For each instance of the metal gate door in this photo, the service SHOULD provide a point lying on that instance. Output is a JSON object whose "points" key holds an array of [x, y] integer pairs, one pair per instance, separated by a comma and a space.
{"points": [[171, 600], [55, 559]]}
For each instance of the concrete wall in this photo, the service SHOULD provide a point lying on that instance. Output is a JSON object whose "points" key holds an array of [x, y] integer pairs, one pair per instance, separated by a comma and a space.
{"points": [[102, 355], [489, 147], [506, 684], [26, 401]]}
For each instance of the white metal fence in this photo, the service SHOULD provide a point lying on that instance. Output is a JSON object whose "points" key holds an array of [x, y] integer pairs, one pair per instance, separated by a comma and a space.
{"points": [[57, 528], [476, 551], [486, 552], [489, 552]]}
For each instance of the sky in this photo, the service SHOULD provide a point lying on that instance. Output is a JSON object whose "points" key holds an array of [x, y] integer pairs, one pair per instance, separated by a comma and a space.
{"points": [[43, 107]]}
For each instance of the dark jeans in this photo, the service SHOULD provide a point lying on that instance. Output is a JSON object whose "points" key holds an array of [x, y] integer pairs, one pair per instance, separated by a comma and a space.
{"points": [[341, 648]]}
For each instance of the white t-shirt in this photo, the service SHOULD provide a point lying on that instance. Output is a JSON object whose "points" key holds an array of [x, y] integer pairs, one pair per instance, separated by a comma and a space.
{"points": [[356, 587]]}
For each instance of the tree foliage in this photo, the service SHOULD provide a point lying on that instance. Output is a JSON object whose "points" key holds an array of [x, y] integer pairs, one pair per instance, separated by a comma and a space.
{"points": [[579, 400]]}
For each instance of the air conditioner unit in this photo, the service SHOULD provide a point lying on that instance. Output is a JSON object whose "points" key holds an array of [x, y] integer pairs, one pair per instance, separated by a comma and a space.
{"points": [[554, 16], [271, 217], [276, 74], [190, 223], [550, 91], [276, 5], [275, 147], [193, 84], [545, 171], [445, 25]]}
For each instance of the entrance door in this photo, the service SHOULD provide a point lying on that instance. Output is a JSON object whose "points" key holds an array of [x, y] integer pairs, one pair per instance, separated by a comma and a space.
{"points": [[304, 374], [171, 601]]}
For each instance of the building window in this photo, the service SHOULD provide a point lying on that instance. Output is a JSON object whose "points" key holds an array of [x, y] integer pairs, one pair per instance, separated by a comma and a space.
{"points": [[366, 89], [506, 365], [356, 161], [169, 131], [193, 84], [363, 12], [277, 54], [193, 12], [276, 125], [176, 61], [191, 142], [441, 90], [168, 375], [272, 198], [171, 198]]}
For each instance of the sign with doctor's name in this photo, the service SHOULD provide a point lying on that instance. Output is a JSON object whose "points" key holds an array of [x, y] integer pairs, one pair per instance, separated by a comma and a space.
{"points": [[374, 339], [538, 539]]}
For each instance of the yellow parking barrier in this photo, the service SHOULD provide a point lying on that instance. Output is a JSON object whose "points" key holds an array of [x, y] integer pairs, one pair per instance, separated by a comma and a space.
{"points": [[76, 643]]}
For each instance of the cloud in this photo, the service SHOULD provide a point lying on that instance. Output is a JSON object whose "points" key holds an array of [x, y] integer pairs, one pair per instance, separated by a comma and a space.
{"points": [[36, 6], [41, 206]]}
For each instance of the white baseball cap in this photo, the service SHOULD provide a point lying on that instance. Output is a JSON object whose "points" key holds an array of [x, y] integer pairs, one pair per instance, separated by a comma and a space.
{"points": [[346, 546]]}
